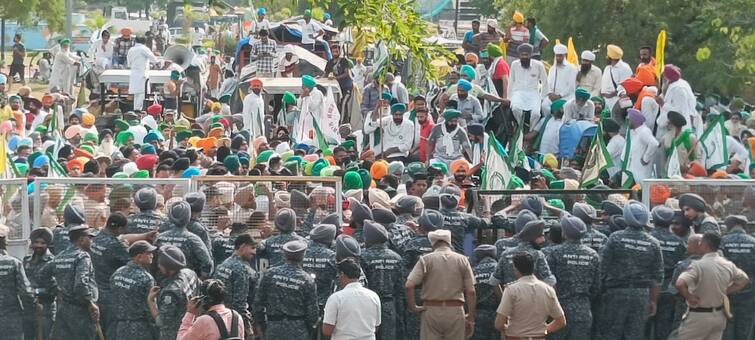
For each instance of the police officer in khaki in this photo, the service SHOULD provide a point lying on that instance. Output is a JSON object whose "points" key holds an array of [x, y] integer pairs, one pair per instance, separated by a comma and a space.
{"points": [[447, 280], [705, 286]]}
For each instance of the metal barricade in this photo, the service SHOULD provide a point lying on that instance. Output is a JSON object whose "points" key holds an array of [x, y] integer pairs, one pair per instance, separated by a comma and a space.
{"points": [[488, 203], [99, 197], [14, 213], [723, 197], [254, 199]]}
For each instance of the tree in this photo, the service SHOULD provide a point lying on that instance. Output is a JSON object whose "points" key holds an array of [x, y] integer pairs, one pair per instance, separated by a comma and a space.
{"points": [[29, 11], [713, 42]]}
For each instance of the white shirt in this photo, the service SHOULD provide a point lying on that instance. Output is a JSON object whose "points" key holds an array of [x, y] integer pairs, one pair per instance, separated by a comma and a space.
{"points": [[196, 37], [614, 74], [308, 30], [139, 57], [643, 148], [572, 111], [253, 114], [103, 54], [400, 136], [737, 152], [615, 148], [355, 311], [592, 81], [649, 111], [562, 80], [678, 97], [549, 142], [262, 24], [527, 79], [399, 91]]}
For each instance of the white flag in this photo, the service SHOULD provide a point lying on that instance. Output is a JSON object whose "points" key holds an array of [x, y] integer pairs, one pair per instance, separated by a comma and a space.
{"points": [[497, 170], [673, 168], [331, 120], [714, 144]]}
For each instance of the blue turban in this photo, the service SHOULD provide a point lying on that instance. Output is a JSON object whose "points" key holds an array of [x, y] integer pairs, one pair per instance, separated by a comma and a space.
{"points": [[464, 85], [41, 161]]}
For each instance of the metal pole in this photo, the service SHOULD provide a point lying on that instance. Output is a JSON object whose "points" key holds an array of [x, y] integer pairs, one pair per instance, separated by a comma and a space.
{"points": [[69, 19], [456, 18], [2, 39]]}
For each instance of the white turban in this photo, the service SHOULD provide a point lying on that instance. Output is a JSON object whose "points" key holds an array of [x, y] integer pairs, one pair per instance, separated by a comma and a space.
{"points": [[559, 49], [588, 55]]}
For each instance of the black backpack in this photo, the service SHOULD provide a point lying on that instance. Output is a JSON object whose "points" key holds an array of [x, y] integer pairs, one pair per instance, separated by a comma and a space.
{"points": [[224, 335]]}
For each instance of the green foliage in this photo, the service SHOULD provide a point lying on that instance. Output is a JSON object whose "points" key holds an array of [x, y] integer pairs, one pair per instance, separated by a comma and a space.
{"points": [[29, 11], [397, 24], [712, 41], [95, 20]]}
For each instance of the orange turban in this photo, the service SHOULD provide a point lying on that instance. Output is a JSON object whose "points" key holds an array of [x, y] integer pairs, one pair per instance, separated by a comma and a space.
{"points": [[646, 74], [659, 194], [48, 99], [72, 163], [459, 164], [256, 83], [379, 169], [87, 119], [127, 31], [633, 85], [472, 57], [719, 174], [697, 170]]}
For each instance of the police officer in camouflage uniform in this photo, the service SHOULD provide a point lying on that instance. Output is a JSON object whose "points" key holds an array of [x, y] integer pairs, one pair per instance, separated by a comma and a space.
{"points": [[320, 260], [196, 253], [73, 215], [72, 269], [522, 218], [197, 201], [109, 252], [592, 238], [739, 247], [632, 269], [408, 208], [130, 286], [673, 249], [454, 220], [608, 209], [178, 286], [487, 300], [270, 248], [577, 270], [303, 208], [287, 295], [531, 238], [359, 213], [15, 289], [384, 270], [693, 253], [430, 220], [693, 207], [146, 219], [45, 291], [223, 246], [239, 278]]}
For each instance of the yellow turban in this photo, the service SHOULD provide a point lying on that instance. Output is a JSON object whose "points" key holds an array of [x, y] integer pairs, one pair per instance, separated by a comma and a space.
{"points": [[215, 106], [550, 161], [614, 52], [518, 17], [193, 141], [87, 119]]}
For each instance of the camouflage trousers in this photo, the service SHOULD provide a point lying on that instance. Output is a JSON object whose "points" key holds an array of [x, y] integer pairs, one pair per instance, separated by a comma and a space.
{"points": [[623, 313], [73, 322], [107, 312], [133, 329], [387, 328], [31, 322], [484, 328], [287, 329], [741, 324], [578, 313], [12, 322], [661, 324]]}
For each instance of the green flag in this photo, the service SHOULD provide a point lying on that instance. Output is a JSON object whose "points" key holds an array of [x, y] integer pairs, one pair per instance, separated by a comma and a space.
{"points": [[714, 144], [497, 170], [598, 159], [323, 143]]}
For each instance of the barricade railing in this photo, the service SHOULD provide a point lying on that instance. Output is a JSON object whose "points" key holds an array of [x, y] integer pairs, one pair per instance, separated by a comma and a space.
{"points": [[490, 202], [14, 213], [254, 199], [723, 197], [99, 197]]}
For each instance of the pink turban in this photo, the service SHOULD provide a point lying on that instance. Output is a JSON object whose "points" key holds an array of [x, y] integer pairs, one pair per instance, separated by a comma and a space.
{"points": [[671, 72]]}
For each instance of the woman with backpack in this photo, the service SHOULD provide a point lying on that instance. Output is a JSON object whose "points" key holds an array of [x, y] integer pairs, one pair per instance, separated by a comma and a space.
{"points": [[208, 318]]}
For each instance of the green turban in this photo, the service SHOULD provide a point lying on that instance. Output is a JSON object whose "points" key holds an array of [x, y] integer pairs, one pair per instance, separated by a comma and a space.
{"points": [[440, 166], [264, 156], [366, 178], [398, 107], [289, 98], [387, 96], [548, 174], [348, 145], [494, 51], [307, 12], [121, 124], [308, 167], [120, 174], [515, 183], [22, 168], [225, 99], [140, 174], [87, 148], [415, 168], [232, 163], [65, 41], [449, 114], [185, 134], [605, 114], [308, 81], [598, 99], [557, 184], [581, 93], [329, 171], [352, 180], [557, 203], [557, 105], [318, 165], [123, 137]]}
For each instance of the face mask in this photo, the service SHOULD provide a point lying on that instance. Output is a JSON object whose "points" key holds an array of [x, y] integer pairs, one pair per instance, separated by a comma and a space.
{"points": [[584, 68], [525, 62]]}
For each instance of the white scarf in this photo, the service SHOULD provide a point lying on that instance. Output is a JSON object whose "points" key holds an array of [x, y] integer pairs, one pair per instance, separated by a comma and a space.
{"points": [[448, 139]]}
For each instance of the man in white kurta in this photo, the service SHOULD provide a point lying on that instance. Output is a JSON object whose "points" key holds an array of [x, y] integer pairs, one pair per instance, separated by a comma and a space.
{"points": [[739, 157], [562, 80], [253, 112], [678, 97], [580, 107], [64, 68], [102, 50], [642, 148], [312, 104], [589, 76], [525, 91], [613, 75], [649, 108], [396, 133], [615, 146], [139, 57]]}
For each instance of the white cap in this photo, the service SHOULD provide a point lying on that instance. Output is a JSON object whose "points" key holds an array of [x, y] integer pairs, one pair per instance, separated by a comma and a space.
{"points": [[492, 23], [130, 168], [559, 49], [588, 55]]}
